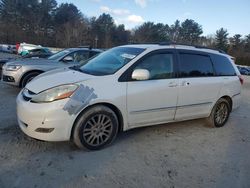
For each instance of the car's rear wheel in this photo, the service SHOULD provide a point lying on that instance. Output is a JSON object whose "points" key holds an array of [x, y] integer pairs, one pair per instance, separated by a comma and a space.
{"points": [[95, 128], [27, 78], [219, 114]]}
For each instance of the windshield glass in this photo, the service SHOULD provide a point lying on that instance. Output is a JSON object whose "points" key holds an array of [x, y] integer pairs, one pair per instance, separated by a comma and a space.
{"points": [[59, 55], [110, 61]]}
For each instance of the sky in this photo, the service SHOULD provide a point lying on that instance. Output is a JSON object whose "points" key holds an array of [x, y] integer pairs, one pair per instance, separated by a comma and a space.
{"points": [[234, 15]]}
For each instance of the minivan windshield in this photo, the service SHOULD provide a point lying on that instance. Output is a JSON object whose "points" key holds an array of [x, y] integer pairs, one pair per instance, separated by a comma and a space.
{"points": [[109, 62], [59, 55]]}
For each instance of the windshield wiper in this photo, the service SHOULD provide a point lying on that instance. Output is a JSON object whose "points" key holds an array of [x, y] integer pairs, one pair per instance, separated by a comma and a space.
{"points": [[76, 68], [86, 72]]}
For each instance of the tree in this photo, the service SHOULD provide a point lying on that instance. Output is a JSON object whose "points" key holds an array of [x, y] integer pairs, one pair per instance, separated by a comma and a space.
{"points": [[46, 13], [150, 32], [71, 28], [67, 12], [174, 32], [222, 39], [101, 29], [247, 43], [26, 20], [120, 35], [237, 39], [190, 31]]}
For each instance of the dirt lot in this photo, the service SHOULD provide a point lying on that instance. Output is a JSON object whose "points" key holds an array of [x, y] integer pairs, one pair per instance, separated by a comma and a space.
{"points": [[187, 154]]}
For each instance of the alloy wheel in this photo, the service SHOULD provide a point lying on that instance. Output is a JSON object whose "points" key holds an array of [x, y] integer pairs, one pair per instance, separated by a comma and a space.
{"points": [[97, 130]]}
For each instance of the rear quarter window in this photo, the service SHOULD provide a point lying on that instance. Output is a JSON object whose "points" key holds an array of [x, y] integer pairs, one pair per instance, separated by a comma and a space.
{"points": [[223, 66]]}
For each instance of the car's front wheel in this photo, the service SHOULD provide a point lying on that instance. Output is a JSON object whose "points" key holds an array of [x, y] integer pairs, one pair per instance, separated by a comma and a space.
{"points": [[27, 78], [220, 113], [95, 128]]}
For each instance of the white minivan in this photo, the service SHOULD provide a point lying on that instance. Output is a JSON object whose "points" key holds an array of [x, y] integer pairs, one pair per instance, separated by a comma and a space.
{"points": [[127, 87]]}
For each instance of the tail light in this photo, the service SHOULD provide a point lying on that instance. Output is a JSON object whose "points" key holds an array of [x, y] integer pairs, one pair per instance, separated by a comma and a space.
{"points": [[241, 79]]}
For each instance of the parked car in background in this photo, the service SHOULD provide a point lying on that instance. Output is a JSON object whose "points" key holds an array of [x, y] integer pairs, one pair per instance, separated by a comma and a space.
{"points": [[244, 70], [2, 62], [128, 87], [38, 53], [24, 48], [8, 48], [35, 53], [22, 71]]}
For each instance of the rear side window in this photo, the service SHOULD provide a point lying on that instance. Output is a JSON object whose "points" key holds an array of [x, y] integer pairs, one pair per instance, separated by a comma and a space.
{"points": [[223, 66], [195, 65]]}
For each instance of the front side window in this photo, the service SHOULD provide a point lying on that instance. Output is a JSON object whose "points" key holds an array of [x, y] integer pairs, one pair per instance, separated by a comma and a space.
{"points": [[80, 56], [195, 65], [110, 61], [160, 66]]}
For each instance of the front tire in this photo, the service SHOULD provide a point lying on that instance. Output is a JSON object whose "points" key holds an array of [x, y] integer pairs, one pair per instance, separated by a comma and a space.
{"points": [[220, 113], [95, 128], [27, 78]]}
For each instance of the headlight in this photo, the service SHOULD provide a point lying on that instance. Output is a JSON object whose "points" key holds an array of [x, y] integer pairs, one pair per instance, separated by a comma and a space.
{"points": [[56, 93], [13, 67]]}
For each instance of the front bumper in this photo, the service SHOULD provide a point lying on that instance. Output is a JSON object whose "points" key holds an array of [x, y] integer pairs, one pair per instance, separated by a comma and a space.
{"points": [[11, 77], [44, 121]]}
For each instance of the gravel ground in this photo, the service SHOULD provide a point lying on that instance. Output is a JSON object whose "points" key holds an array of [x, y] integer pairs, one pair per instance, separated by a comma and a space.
{"points": [[187, 154]]}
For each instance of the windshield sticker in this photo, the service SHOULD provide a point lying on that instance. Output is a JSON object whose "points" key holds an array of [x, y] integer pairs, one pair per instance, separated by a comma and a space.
{"points": [[80, 99], [128, 56]]}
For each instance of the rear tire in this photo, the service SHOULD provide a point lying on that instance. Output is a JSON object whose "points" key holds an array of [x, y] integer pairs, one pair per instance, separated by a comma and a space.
{"points": [[27, 78], [220, 114], [95, 128]]}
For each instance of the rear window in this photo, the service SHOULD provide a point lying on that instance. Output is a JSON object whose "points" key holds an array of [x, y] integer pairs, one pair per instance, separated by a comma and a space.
{"points": [[195, 65], [223, 66]]}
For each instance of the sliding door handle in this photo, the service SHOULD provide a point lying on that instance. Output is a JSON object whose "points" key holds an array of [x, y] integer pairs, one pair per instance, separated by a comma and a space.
{"points": [[172, 84], [185, 83]]}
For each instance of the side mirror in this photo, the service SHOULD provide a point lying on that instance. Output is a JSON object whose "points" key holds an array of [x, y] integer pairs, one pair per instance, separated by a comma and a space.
{"points": [[140, 74], [68, 59]]}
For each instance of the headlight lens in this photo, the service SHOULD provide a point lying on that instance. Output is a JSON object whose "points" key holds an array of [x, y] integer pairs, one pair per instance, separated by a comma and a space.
{"points": [[56, 93], [13, 67]]}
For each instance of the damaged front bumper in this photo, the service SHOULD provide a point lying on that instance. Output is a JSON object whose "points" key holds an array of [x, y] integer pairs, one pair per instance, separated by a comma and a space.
{"points": [[45, 121]]}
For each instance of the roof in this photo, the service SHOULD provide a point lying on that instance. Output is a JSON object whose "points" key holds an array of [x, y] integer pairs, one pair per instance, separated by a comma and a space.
{"points": [[176, 46], [89, 49]]}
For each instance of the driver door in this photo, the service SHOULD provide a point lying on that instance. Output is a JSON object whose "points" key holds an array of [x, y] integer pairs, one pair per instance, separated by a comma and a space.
{"points": [[153, 101]]}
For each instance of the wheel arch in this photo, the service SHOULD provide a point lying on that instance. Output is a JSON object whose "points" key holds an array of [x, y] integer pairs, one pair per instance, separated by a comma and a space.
{"points": [[28, 72], [109, 105], [229, 100]]}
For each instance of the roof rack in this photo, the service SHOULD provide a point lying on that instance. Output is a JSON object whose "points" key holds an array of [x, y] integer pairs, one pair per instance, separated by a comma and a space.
{"points": [[182, 44], [195, 46]]}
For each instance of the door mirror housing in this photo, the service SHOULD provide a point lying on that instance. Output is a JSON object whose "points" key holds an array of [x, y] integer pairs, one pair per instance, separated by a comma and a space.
{"points": [[140, 74], [67, 59]]}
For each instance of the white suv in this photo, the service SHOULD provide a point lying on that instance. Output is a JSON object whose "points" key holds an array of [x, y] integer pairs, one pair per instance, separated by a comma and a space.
{"points": [[127, 87]]}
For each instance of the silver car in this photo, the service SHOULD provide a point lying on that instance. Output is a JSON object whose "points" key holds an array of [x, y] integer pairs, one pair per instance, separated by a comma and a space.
{"points": [[22, 71]]}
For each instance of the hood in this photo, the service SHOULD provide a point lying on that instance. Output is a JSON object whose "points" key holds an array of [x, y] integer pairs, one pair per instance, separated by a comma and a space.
{"points": [[56, 78], [31, 62]]}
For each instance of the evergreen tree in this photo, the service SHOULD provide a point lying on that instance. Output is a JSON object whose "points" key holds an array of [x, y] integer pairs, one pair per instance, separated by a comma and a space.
{"points": [[222, 39]]}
